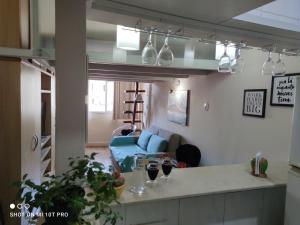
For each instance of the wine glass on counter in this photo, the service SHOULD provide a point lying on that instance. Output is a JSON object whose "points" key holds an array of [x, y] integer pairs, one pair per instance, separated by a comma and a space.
{"points": [[166, 168], [152, 170]]}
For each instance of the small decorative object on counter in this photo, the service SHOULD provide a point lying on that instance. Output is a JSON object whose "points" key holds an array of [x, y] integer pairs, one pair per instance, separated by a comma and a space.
{"points": [[259, 166], [181, 165], [119, 183]]}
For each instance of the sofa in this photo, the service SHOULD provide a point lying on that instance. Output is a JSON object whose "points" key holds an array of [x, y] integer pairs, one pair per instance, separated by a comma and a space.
{"points": [[152, 141]]}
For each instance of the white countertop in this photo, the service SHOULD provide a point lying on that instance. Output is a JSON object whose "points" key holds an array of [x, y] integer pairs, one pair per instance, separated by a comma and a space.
{"points": [[198, 181]]}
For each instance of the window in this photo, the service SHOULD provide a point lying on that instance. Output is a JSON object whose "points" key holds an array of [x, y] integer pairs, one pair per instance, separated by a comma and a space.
{"points": [[101, 96]]}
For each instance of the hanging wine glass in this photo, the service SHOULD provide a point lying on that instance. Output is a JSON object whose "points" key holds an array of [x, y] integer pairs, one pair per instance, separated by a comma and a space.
{"points": [[165, 55], [149, 53], [268, 66], [279, 67], [238, 63], [225, 62]]}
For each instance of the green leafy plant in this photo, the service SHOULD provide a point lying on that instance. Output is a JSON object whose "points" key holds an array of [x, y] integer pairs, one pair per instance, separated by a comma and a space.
{"points": [[84, 192]]}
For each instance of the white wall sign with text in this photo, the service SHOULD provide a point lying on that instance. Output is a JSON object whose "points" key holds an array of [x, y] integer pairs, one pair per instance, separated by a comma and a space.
{"points": [[283, 90]]}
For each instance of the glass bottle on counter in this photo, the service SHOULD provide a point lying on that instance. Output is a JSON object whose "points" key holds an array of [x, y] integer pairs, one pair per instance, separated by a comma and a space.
{"points": [[139, 174]]}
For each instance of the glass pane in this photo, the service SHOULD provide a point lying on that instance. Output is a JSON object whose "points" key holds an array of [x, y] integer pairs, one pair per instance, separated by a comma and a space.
{"points": [[110, 96], [220, 51], [97, 95]]}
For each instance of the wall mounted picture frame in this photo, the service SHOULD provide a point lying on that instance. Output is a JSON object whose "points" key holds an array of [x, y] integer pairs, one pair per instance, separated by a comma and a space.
{"points": [[254, 103], [283, 90], [178, 107]]}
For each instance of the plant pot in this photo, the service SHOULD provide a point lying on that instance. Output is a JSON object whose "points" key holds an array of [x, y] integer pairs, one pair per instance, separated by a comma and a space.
{"points": [[119, 190]]}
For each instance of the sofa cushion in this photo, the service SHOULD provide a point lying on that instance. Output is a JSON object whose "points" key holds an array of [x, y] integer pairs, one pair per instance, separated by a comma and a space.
{"points": [[144, 139], [156, 144], [172, 139], [121, 152], [123, 140]]}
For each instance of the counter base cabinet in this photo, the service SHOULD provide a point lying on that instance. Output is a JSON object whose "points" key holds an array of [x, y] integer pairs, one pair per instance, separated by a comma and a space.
{"points": [[153, 213], [118, 209], [255, 207], [274, 205], [244, 208], [202, 210]]}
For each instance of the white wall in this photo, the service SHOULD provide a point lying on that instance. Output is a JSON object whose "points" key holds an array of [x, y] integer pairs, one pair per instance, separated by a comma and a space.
{"points": [[100, 128], [222, 133], [71, 82]]}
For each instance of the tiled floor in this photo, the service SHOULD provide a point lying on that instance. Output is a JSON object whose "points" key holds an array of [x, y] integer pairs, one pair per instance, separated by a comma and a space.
{"points": [[103, 155]]}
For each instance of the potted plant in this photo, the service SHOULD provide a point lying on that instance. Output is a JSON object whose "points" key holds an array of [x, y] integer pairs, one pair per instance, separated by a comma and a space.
{"points": [[83, 193]]}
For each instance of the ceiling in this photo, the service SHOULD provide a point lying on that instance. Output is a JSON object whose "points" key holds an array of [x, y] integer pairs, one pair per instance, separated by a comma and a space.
{"points": [[217, 18], [101, 36], [214, 11], [200, 18]]}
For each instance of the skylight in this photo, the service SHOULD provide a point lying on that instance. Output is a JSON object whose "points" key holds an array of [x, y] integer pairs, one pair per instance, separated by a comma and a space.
{"points": [[282, 14]]}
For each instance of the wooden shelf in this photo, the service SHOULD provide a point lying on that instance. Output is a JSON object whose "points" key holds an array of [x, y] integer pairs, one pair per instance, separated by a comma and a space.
{"points": [[44, 152], [45, 82], [130, 121], [45, 140], [44, 166], [45, 91], [131, 112], [47, 122], [131, 102], [133, 91]]}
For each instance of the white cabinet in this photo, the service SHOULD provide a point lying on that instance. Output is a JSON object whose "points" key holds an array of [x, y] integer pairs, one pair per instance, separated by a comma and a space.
{"points": [[20, 119], [292, 211], [273, 206], [202, 210], [295, 151], [153, 213], [30, 122], [244, 208]]}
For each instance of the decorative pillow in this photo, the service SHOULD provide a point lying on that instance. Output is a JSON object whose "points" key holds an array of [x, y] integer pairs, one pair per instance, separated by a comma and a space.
{"points": [[144, 139], [156, 144]]}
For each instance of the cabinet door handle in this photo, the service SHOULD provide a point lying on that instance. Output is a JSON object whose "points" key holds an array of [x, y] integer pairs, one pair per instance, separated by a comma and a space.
{"points": [[34, 142]]}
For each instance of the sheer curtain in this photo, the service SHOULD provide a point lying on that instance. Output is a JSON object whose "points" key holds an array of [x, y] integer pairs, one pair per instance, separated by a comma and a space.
{"points": [[119, 97]]}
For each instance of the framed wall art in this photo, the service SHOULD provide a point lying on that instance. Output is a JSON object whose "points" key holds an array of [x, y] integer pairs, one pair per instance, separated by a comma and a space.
{"points": [[178, 107], [283, 90], [254, 103]]}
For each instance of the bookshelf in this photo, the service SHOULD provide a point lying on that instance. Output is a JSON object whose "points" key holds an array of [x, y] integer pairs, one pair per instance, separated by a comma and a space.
{"points": [[47, 124]]}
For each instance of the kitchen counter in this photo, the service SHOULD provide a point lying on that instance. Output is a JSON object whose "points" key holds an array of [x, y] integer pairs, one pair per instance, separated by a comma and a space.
{"points": [[191, 182]]}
